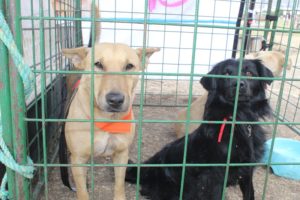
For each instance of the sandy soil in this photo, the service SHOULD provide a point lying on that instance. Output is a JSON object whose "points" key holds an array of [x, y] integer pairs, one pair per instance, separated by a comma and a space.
{"points": [[156, 135]]}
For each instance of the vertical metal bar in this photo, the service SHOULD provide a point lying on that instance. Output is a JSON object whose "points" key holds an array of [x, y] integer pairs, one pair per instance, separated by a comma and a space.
{"points": [[237, 30], [6, 114], [268, 23], [78, 28], [248, 32], [92, 98], [34, 66], [142, 97], [195, 33], [274, 24], [235, 104], [18, 103], [5, 106], [43, 88]]}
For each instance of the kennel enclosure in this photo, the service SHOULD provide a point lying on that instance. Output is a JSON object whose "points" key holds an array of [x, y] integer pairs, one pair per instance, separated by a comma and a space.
{"points": [[193, 35]]}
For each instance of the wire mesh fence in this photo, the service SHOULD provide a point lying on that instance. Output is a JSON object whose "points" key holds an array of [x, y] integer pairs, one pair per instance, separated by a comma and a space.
{"points": [[192, 36]]}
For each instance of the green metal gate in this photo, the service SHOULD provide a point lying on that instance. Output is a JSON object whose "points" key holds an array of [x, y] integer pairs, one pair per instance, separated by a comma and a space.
{"points": [[31, 126]]}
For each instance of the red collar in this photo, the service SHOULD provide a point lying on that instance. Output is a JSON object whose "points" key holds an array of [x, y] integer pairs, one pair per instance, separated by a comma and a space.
{"points": [[222, 130], [223, 127], [75, 86]]}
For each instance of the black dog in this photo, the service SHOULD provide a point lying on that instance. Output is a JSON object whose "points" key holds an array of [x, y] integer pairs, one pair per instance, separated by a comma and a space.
{"points": [[209, 144]]}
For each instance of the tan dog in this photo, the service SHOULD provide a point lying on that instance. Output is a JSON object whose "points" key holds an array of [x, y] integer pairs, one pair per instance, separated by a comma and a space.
{"points": [[113, 97], [274, 60]]}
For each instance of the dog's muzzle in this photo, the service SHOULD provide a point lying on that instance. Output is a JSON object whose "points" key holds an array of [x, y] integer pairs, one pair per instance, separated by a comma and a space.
{"points": [[115, 101], [244, 93]]}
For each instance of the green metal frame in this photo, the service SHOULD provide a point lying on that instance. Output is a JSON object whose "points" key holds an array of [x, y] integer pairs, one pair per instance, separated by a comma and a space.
{"points": [[13, 105], [5, 107]]}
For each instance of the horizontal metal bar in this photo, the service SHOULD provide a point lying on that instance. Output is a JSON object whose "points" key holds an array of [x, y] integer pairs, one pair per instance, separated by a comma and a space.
{"points": [[153, 22], [159, 121], [167, 165], [164, 74]]}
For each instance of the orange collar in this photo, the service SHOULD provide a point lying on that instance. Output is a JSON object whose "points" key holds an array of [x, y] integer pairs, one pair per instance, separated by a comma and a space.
{"points": [[113, 127], [117, 127]]}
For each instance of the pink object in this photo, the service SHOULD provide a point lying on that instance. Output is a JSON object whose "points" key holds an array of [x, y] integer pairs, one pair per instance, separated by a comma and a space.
{"points": [[222, 130], [152, 3]]}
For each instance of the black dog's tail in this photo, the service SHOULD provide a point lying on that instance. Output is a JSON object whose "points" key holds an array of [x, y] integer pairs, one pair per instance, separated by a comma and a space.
{"points": [[63, 153], [63, 159]]}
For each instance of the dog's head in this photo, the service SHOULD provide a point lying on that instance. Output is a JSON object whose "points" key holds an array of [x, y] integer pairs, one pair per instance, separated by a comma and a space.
{"points": [[112, 92], [273, 60], [249, 89]]}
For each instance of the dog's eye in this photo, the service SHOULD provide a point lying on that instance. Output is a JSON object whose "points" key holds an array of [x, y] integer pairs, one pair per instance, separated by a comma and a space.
{"points": [[249, 74], [99, 65], [129, 66]]}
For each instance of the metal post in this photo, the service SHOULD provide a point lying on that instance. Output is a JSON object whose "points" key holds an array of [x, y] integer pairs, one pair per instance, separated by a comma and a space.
{"points": [[78, 28], [248, 32], [5, 106], [18, 102], [267, 24], [274, 24], [237, 30]]}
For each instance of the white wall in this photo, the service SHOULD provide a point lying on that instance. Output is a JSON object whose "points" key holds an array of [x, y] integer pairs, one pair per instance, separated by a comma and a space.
{"points": [[176, 42]]}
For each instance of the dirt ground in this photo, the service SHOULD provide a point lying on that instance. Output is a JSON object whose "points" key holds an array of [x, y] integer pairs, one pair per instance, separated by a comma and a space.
{"points": [[156, 135]]}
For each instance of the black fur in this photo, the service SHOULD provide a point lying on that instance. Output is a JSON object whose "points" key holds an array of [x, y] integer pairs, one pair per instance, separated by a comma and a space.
{"points": [[206, 183], [63, 159], [63, 150]]}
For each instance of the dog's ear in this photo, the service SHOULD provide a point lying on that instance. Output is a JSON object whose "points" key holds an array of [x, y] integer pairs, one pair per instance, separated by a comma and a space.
{"points": [[263, 71], [77, 55], [148, 54], [210, 83]]}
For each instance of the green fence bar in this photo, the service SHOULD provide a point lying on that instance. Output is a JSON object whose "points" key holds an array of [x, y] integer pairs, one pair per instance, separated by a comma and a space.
{"points": [[274, 27], [5, 106], [68, 34], [19, 129], [43, 100], [78, 28]]}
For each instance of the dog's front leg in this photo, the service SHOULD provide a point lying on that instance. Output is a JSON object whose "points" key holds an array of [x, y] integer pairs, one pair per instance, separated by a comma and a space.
{"points": [[120, 157], [246, 185], [79, 176]]}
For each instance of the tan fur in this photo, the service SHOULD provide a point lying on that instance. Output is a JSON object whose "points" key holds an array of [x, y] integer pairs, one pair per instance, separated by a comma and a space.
{"points": [[114, 58], [274, 60], [196, 112]]}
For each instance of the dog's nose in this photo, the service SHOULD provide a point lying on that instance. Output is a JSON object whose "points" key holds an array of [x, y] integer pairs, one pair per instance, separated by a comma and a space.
{"points": [[115, 99], [242, 84]]}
